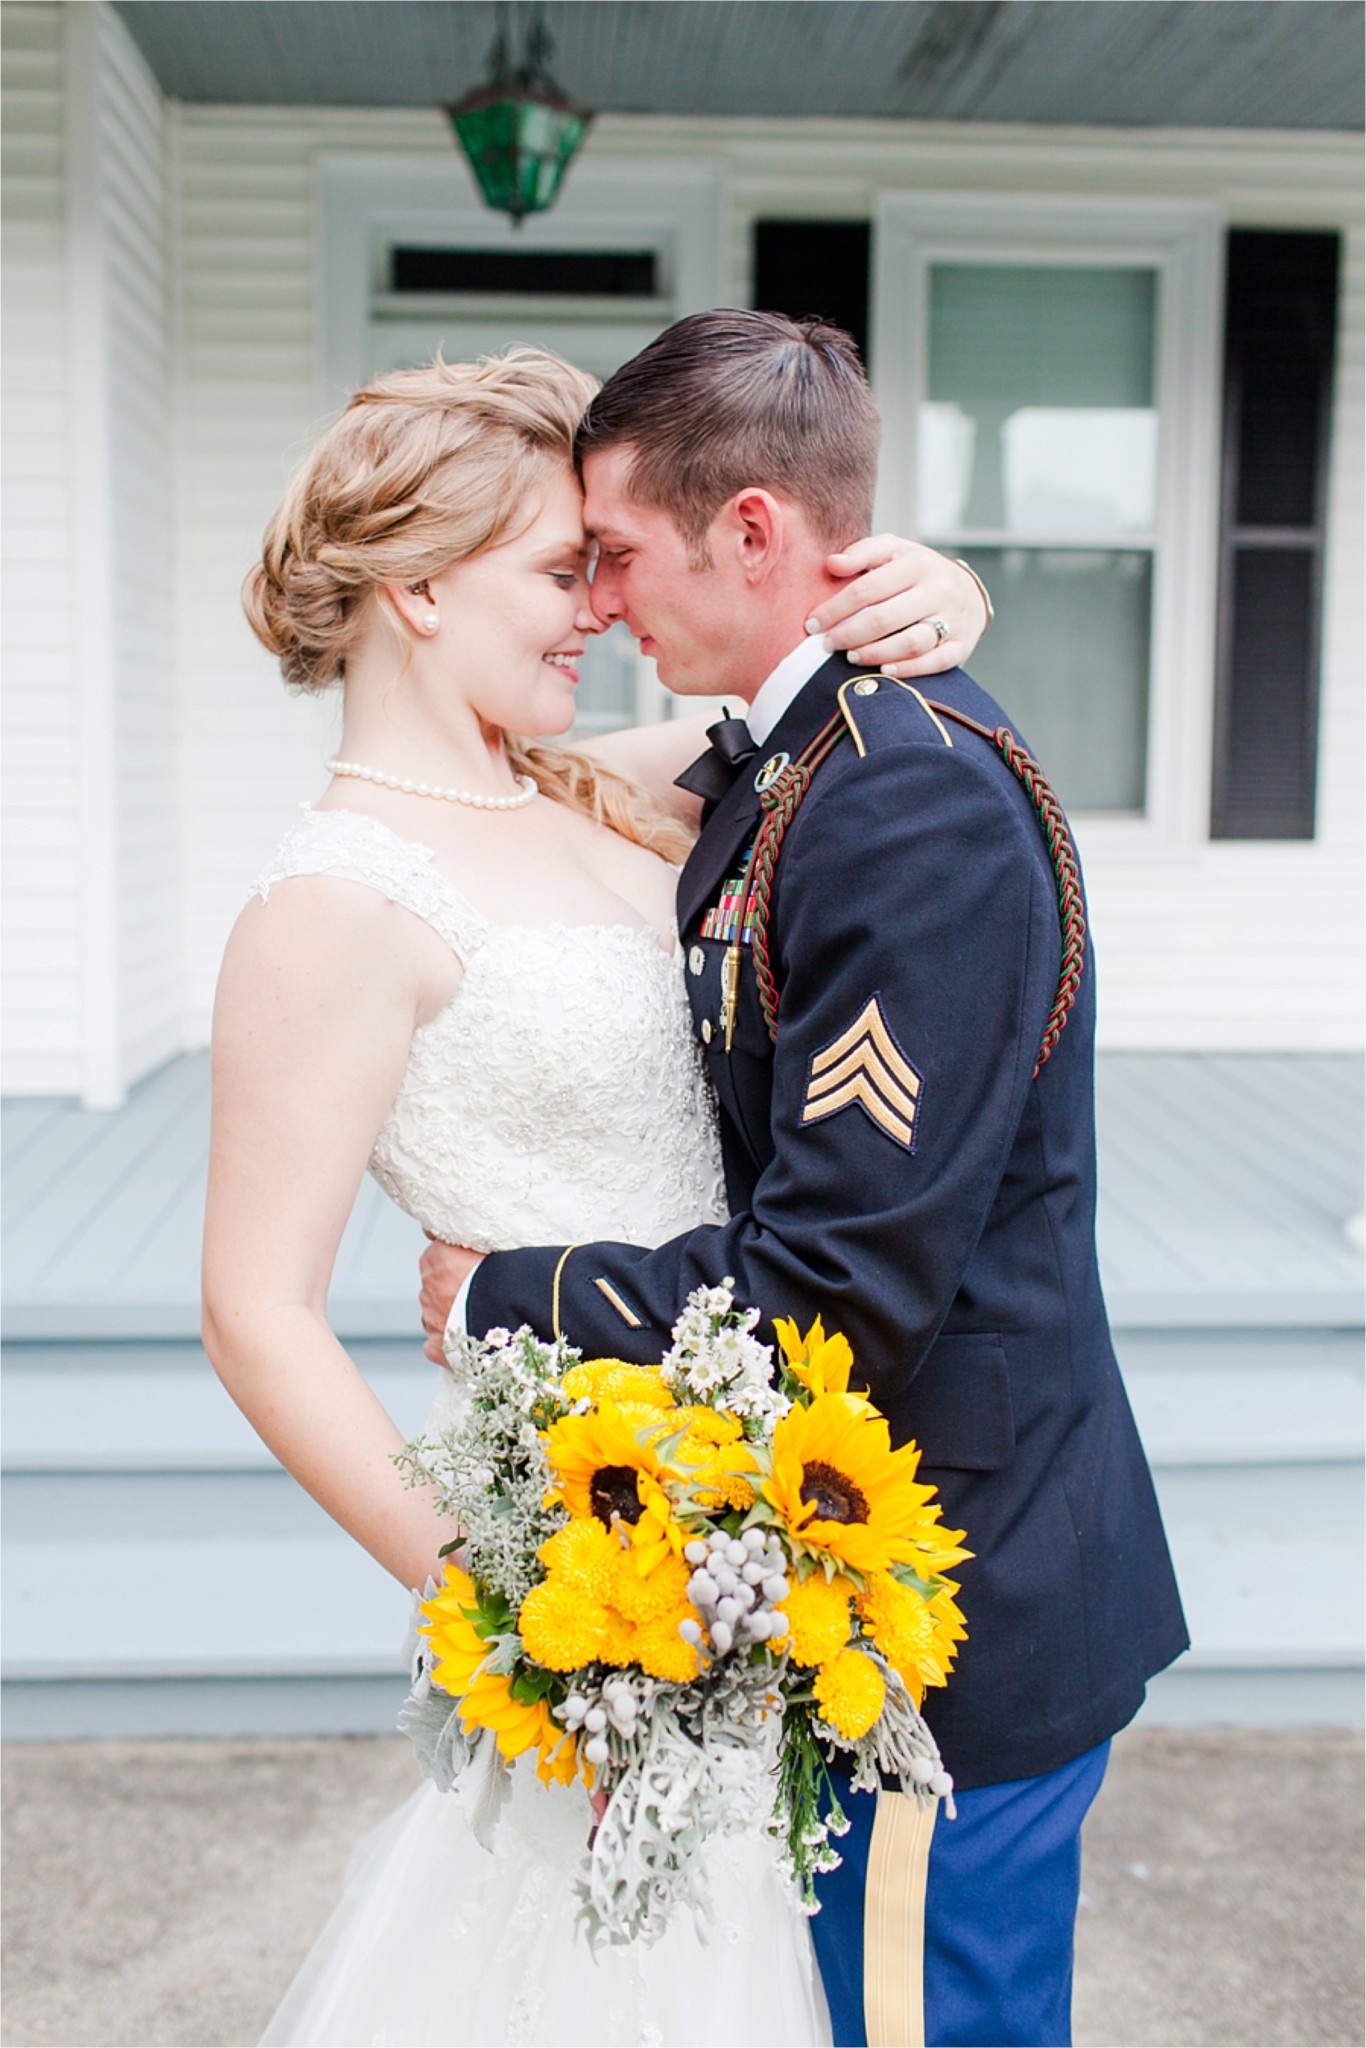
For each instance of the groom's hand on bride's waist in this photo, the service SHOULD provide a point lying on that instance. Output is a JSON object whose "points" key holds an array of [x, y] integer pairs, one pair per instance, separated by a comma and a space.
{"points": [[446, 1269]]}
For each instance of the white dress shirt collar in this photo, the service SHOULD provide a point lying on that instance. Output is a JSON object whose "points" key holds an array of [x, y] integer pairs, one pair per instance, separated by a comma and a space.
{"points": [[778, 690]]}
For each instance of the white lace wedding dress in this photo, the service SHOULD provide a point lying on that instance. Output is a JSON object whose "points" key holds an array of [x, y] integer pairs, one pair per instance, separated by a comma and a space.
{"points": [[557, 1099]]}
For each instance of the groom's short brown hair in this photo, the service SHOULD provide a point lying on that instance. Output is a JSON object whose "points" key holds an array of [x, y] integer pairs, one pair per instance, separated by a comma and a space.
{"points": [[730, 399]]}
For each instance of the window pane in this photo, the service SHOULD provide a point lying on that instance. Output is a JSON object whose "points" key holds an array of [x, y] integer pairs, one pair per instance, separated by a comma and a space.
{"points": [[1039, 413], [1068, 658]]}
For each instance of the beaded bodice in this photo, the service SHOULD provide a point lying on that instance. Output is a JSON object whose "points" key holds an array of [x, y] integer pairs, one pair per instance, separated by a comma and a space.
{"points": [[558, 1097]]}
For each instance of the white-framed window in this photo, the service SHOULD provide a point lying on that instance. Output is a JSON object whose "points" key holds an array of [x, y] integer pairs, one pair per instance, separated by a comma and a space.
{"points": [[405, 243], [1048, 371]]}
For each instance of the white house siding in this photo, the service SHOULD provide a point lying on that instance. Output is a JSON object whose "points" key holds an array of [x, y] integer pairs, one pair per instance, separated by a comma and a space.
{"points": [[140, 396], [1234, 945], [249, 399], [1201, 945], [122, 364], [92, 892], [42, 1016]]}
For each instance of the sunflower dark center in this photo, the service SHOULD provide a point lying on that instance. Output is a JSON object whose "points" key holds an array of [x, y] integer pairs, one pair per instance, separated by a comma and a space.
{"points": [[612, 1491], [833, 1494]]}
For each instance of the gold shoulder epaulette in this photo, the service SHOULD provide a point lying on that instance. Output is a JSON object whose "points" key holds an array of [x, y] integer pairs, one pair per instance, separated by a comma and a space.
{"points": [[869, 686]]}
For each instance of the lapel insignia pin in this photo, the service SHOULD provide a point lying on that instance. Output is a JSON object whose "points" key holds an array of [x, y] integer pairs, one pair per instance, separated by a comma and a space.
{"points": [[865, 1065], [771, 770]]}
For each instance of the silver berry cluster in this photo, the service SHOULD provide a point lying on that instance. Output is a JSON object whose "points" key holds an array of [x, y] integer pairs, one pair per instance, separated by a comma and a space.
{"points": [[614, 1710], [736, 1585]]}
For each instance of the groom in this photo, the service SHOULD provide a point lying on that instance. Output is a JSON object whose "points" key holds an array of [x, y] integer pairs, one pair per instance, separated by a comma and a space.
{"points": [[901, 1157]]}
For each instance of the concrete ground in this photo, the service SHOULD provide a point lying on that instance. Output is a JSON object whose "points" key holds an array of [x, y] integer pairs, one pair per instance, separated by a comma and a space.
{"points": [[165, 1892]]}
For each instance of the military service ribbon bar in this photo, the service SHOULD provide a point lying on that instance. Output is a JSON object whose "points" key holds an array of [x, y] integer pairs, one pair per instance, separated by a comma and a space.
{"points": [[730, 916], [865, 1065]]}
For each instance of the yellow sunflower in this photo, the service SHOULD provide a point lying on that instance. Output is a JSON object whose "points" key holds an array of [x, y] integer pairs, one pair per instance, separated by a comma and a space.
{"points": [[485, 1697], [822, 1364], [599, 1459], [850, 1691], [612, 1379], [843, 1492]]}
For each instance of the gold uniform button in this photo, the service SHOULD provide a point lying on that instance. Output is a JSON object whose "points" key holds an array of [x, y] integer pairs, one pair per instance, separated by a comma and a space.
{"points": [[697, 960], [706, 1031], [865, 686]]}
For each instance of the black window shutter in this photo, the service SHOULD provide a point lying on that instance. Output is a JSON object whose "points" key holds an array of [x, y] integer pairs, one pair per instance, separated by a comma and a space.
{"points": [[816, 268], [1280, 330]]}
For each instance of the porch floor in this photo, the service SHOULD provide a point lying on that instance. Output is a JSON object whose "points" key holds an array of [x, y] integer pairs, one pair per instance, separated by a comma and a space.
{"points": [[1225, 1185]]}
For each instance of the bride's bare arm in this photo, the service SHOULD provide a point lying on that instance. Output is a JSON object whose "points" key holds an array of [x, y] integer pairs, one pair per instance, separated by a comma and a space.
{"points": [[892, 590], [652, 755], [316, 1006]]}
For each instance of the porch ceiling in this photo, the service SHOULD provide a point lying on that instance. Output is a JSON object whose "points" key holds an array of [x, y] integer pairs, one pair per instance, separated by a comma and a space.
{"points": [[1163, 63]]}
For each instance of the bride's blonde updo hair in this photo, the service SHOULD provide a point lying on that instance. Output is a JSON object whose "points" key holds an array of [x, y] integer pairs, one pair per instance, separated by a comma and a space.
{"points": [[424, 468]]}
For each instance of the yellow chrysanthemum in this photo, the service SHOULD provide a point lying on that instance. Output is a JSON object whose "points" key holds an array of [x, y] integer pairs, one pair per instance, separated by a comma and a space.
{"points": [[619, 1640], [612, 1379], [660, 1650], [706, 1428], [560, 1626], [916, 1636], [822, 1364], [599, 1459], [650, 1596], [596, 1604], [485, 1697], [843, 1492], [584, 1555], [702, 1457], [817, 1611], [717, 1464], [850, 1691]]}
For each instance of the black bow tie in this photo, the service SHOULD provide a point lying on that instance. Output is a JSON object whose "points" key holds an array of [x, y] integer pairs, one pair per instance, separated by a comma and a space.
{"points": [[712, 773]]}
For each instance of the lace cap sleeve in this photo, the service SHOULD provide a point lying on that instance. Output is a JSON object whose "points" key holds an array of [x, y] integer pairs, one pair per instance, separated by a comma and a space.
{"points": [[355, 848]]}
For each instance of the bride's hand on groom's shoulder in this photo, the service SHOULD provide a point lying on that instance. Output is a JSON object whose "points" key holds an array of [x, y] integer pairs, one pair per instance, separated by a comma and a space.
{"points": [[897, 597], [445, 1268]]}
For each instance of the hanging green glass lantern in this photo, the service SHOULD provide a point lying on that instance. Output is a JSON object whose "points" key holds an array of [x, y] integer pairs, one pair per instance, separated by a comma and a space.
{"points": [[520, 132]]}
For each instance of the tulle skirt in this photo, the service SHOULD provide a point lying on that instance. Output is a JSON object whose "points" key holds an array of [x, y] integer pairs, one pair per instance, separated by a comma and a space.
{"points": [[441, 1943]]}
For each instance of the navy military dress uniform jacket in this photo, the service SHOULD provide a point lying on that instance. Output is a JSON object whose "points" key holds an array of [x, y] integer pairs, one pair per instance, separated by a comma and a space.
{"points": [[936, 1202]]}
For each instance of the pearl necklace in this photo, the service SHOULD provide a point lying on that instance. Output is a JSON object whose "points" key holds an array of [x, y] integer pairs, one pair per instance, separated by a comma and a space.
{"points": [[527, 788]]}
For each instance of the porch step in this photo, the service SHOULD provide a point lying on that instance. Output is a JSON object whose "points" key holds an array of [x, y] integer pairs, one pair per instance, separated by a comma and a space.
{"points": [[163, 1574]]}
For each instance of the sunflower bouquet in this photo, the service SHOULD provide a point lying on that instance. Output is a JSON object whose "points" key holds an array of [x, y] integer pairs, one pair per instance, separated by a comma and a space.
{"points": [[687, 1586]]}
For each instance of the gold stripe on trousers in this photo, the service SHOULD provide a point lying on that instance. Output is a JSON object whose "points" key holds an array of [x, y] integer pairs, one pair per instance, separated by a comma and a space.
{"points": [[894, 1921]]}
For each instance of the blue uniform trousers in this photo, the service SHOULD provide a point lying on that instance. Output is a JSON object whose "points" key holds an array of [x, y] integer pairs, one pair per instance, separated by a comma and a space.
{"points": [[1000, 1913]]}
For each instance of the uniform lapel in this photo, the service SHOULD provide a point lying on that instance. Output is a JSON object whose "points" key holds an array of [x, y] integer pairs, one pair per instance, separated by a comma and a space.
{"points": [[731, 823]]}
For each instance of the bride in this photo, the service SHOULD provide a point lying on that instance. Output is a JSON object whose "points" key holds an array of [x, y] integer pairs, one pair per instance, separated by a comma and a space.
{"points": [[460, 970]]}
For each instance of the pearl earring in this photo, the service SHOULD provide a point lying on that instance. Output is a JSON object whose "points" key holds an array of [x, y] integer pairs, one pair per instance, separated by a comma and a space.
{"points": [[430, 622]]}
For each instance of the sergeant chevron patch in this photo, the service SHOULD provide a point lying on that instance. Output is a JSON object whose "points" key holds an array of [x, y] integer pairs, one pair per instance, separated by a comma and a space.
{"points": [[866, 1065]]}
